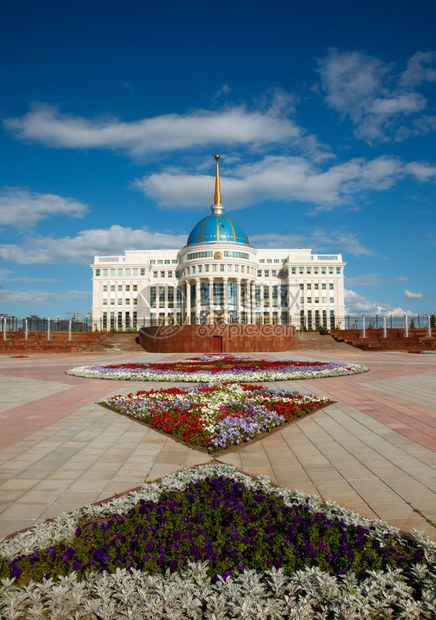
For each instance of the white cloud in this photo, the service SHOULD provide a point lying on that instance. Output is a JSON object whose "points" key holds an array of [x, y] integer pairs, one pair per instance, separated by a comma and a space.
{"points": [[277, 178], [82, 248], [359, 86], [420, 68], [31, 298], [337, 241], [402, 278], [21, 208], [421, 170], [409, 295], [361, 305], [170, 132], [369, 279]]}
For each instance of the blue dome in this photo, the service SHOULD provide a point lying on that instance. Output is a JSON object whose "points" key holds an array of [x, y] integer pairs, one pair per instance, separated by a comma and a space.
{"points": [[217, 227]]}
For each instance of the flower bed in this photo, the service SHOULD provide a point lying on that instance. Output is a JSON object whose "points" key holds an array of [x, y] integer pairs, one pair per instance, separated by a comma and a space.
{"points": [[223, 368], [215, 416], [212, 542]]}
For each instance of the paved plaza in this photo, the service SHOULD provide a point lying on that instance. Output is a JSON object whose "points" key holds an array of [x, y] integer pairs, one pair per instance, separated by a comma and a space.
{"points": [[373, 450]]}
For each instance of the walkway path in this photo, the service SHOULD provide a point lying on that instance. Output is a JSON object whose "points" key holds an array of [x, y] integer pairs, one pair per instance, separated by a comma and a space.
{"points": [[373, 451]]}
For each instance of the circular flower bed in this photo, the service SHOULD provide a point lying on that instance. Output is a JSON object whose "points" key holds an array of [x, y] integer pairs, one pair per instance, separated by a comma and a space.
{"points": [[223, 368], [215, 416]]}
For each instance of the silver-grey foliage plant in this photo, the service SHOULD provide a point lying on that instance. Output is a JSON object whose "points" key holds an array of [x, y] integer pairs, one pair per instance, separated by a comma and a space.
{"points": [[190, 594]]}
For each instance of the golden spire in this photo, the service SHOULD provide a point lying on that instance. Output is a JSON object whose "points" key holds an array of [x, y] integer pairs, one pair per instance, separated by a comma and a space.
{"points": [[217, 182], [217, 207]]}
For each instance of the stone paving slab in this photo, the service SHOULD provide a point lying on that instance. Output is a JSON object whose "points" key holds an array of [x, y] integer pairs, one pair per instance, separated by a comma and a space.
{"points": [[373, 450]]}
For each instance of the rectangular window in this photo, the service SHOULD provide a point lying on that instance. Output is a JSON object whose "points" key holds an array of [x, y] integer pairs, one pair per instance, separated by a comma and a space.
{"points": [[323, 270], [160, 262], [127, 301], [242, 268], [284, 296], [142, 272], [301, 286], [155, 274], [261, 260], [170, 273], [331, 286], [152, 262], [324, 300], [153, 296], [170, 297], [112, 302], [309, 286], [274, 273], [338, 270], [229, 267], [127, 272], [300, 270], [218, 293], [161, 297], [316, 286], [332, 300], [281, 273], [259, 273], [293, 270], [112, 272], [214, 267], [174, 261], [135, 302], [266, 273], [120, 302], [135, 272], [112, 287], [206, 268], [222, 267], [309, 300], [315, 270], [236, 267], [177, 274], [97, 272], [330, 269], [167, 261], [266, 296], [104, 272], [120, 287], [269, 260], [162, 274], [324, 286], [308, 270], [127, 287], [277, 260], [275, 296], [135, 287], [104, 302], [105, 287]]}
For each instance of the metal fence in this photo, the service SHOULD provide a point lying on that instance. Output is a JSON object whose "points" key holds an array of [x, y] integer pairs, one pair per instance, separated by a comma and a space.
{"points": [[308, 321]]}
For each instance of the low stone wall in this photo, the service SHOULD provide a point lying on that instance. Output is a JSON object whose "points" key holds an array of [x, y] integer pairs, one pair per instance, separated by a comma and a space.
{"points": [[217, 338], [38, 344], [396, 340]]}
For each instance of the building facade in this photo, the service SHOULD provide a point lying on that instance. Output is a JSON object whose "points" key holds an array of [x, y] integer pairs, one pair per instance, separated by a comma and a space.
{"points": [[218, 276]]}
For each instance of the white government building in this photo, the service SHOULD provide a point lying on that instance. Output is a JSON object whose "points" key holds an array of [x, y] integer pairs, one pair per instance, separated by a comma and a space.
{"points": [[217, 276]]}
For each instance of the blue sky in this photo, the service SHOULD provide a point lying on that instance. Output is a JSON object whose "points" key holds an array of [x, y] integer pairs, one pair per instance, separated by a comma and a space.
{"points": [[324, 114]]}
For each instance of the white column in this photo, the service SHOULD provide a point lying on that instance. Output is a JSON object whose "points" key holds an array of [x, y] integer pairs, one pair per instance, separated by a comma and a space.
{"points": [[48, 328], [226, 301], [166, 304], [262, 307], [363, 327], [238, 300], [270, 303], [248, 302], [210, 300], [406, 326], [429, 327], [197, 299], [384, 327], [26, 330], [188, 303]]}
